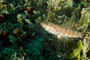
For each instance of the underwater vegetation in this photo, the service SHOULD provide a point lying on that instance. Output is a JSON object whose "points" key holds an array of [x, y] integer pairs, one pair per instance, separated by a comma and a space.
{"points": [[45, 30]]}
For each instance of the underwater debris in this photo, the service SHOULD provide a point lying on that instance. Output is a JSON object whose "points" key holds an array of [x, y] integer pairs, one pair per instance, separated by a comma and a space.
{"points": [[60, 31]]}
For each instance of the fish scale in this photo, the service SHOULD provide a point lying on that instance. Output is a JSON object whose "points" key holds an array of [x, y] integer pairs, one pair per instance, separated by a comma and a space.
{"points": [[60, 30]]}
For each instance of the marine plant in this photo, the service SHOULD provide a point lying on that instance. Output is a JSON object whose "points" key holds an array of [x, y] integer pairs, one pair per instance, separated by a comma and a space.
{"points": [[85, 19], [44, 30]]}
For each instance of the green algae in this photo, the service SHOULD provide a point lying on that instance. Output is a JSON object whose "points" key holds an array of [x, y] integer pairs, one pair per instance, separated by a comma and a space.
{"points": [[75, 55], [20, 29], [84, 19]]}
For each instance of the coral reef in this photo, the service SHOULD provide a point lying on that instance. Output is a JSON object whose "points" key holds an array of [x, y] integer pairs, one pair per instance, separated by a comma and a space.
{"points": [[29, 30]]}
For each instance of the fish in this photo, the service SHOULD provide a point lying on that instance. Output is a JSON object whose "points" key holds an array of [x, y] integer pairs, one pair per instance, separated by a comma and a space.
{"points": [[60, 30]]}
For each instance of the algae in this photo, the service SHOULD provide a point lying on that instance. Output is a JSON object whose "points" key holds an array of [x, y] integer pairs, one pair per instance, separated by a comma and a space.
{"points": [[23, 38]]}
